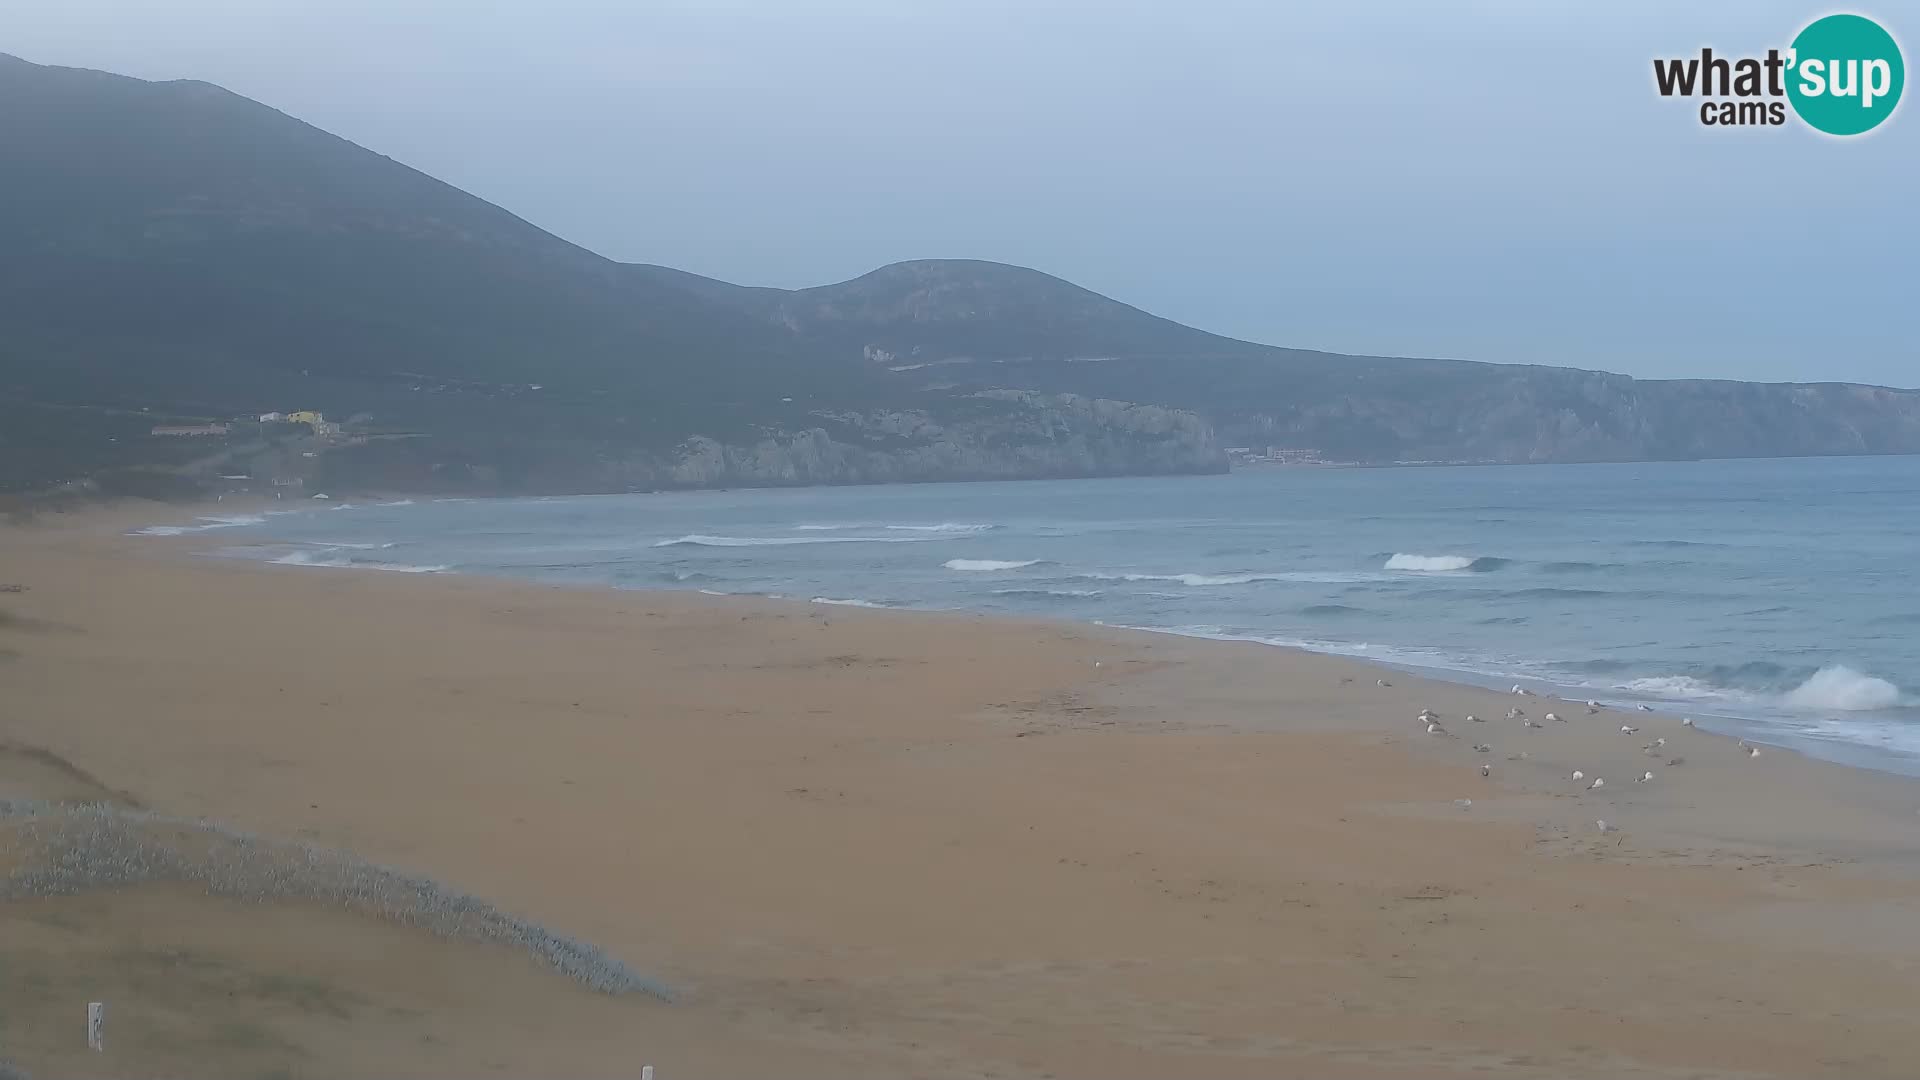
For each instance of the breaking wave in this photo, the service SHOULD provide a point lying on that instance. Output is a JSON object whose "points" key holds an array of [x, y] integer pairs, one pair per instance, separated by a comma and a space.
{"points": [[1680, 687], [1834, 688], [308, 558], [207, 524], [846, 603], [701, 540], [1191, 579], [1442, 564], [941, 527], [1840, 687], [1064, 593], [989, 564], [1203, 580]]}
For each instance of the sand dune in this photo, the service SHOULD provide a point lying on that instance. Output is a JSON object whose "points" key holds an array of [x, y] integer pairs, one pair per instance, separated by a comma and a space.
{"points": [[881, 844]]}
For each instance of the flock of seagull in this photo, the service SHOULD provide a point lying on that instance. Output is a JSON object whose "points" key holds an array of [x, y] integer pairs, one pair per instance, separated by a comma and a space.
{"points": [[1654, 749]]}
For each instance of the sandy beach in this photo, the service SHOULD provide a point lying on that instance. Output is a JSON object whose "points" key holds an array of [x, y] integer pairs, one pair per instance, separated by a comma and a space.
{"points": [[879, 844]]}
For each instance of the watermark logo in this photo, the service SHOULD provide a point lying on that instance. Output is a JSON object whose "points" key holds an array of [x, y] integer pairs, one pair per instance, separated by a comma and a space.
{"points": [[1842, 75]]}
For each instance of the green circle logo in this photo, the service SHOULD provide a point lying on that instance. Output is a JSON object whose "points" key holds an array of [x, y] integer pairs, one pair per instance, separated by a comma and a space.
{"points": [[1845, 74]]}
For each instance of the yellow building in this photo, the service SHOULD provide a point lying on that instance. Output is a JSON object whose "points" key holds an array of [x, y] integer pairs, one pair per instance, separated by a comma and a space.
{"points": [[306, 416]]}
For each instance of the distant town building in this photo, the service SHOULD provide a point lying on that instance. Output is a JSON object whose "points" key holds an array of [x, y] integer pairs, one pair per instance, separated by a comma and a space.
{"points": [[190, 429], [1292, 457], [272, 417], [326, 428], [305, 416]]}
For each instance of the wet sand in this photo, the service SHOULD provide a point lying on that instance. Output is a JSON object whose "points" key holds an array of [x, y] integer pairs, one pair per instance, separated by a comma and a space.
{"points": [[867, 843]]}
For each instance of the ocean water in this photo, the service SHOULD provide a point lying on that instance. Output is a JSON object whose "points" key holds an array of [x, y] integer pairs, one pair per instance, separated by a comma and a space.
{"points": [[1775, 598]]}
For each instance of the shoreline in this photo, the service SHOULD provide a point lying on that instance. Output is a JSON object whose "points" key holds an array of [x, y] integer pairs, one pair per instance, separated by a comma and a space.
{"points": [[879, 843], [1776, 729], [1540, 693]]}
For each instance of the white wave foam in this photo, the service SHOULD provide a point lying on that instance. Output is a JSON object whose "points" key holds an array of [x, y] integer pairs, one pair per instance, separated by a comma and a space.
{"points": [[846, 603], [349, 545], [1835, 688], [1838, 687], [942, 527], [308, 558], [207, 524], [1196, 580], [1684, 687], [1048, 592], [989, 564], [1306, 577], [701, 540], [1430, 564]]}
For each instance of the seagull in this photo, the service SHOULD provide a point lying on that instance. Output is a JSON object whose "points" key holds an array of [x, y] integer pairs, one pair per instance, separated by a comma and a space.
{"points": [[1686, 721], [1427, 715], [1555, 716], [1436, 729], [1593, 706], [1603, 826], [1646, 708], [1578, 775], [1661, 741], [1673, 761], [1753, 751], [1096, 663], [1645, 778], [1486, 770], [1463, 803], [1381, 682], [1472, 719], [1628, 730], [1597, 784], [1515, 714], [1483, 748], [1525, 722]]}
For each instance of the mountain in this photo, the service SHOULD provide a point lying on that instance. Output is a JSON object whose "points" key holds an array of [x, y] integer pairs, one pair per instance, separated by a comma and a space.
{"points": [[172, 251], [963, 324]]}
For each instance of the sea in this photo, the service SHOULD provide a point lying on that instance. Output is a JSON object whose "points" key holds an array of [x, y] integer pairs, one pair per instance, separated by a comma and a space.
{"points": [[1775, 599]]}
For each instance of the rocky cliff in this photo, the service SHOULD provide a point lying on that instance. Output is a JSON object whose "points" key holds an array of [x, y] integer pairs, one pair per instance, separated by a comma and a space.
{"points": [[993, 435]]}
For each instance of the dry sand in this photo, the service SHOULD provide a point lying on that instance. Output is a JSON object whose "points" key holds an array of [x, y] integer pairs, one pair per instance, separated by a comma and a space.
{"points": [[883, 844]]}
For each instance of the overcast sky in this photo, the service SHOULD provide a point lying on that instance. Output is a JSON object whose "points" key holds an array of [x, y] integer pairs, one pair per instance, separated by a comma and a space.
{"points": [[1497, 182]]}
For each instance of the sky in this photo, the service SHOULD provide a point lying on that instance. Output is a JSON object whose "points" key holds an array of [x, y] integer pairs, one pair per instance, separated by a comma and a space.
{"points": [[1493, 180]]}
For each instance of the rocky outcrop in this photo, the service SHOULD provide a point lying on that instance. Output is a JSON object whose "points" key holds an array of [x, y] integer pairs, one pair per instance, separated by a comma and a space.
{"points": [[1006, 435], [1526, 415], [992, 435]]}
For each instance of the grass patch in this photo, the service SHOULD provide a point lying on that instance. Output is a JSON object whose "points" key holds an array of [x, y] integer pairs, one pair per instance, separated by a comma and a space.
{"points": [[306, 994], [247, 1035], [69, 849]]}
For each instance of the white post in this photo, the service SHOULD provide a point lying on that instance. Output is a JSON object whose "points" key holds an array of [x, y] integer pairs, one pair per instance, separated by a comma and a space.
{"points": [[646, 1072], [96, 1025]]}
